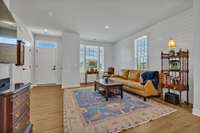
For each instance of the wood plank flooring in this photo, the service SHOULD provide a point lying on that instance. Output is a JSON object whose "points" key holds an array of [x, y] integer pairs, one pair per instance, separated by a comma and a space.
{"points": [[47, 109], [47, 115]]}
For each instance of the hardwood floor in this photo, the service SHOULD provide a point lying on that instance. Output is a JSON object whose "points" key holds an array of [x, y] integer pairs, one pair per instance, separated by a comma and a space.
{"points": [[47, 115], [181, 121], [47, 109]]}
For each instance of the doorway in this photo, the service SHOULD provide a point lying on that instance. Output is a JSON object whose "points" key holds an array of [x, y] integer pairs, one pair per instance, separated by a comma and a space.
{"points": [[45, 62]]}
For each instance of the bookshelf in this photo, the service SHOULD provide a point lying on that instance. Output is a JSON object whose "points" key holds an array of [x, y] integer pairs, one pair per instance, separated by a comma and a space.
{"points": [[175, 72]]}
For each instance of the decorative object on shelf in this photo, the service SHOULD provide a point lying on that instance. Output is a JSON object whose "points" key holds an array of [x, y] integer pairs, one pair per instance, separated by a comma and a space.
{"points": [[174, 64], [175, 74], [172, 98]]}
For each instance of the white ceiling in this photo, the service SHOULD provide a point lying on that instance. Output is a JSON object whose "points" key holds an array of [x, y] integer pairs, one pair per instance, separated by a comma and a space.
{"points": [[89, 17]]}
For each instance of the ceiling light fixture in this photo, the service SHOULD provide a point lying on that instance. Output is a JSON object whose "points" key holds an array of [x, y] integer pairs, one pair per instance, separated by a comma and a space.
{"points": [[50, 13], [107, 27], [45, 31]]}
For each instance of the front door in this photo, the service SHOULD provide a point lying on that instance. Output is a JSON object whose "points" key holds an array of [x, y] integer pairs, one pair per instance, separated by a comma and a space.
{"points": [[46, 72]]}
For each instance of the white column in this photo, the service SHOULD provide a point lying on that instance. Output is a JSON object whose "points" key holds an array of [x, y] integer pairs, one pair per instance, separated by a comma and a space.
{"points": [[71, 60], [196, 54]]}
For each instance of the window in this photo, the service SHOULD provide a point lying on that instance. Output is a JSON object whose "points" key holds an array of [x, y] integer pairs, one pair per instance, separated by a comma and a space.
{"points": [[91, 56], [141, 53], [44, 44], [8, 40]]}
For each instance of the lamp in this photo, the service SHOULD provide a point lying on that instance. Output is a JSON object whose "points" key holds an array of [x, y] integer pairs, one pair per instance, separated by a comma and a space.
{"points": [[171, 44]]}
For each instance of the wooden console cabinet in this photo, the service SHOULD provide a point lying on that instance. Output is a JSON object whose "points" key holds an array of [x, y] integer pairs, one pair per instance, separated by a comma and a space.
{"points": [[15, 111]]}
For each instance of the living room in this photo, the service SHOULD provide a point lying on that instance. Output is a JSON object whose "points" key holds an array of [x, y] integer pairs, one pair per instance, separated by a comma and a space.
{"points": [[72, 68]]}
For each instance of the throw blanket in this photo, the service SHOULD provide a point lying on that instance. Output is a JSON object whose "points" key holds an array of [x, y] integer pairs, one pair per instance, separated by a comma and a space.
{"points": [[151, 75]]}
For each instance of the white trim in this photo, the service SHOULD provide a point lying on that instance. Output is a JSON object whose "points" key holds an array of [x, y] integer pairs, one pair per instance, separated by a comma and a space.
{"points": [[70, 86], [48, 84], [136, 45], [196, 112], [33, 85]]}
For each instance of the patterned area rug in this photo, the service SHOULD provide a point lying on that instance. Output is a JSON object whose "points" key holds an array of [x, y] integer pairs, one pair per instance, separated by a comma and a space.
{"points": [[87, 111]]}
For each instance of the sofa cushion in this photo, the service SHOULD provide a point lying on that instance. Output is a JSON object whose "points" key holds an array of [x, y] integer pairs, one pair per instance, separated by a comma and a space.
{"points": [[123, 81], [134, 75], [124, 73], [135, 85]]}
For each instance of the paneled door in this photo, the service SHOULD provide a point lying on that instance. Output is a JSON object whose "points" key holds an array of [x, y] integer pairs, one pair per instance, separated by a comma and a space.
{"points": [[45, 60]]}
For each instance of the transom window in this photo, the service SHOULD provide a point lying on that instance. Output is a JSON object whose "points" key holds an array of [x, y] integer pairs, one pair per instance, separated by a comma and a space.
{"points": [[45, 44], [141, 53], [8, 40], [91, 57]]}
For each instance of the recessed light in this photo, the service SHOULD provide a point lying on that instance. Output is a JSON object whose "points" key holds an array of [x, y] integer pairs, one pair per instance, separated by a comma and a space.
{"points": [[45, 31], [107, 27], [50, 13]]}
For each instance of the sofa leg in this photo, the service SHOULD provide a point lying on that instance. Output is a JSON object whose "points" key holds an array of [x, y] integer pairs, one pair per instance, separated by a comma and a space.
{"points": [[145, 99]]}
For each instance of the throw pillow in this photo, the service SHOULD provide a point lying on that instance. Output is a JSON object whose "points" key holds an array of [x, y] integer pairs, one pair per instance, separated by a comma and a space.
{"points": [[134, 75], [124, 73]]}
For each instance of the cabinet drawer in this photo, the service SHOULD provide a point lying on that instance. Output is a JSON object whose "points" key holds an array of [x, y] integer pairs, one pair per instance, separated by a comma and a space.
{"points": [[19, 100], [22, 123], [17, 113]]}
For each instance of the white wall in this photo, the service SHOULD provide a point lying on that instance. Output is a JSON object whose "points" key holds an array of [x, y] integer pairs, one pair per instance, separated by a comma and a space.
{"points": [[70, 60], [196, 54], [58, 40], [4, 71], [180, 27], [108, 57], [20, 75], [22, 33], [4, 68]]}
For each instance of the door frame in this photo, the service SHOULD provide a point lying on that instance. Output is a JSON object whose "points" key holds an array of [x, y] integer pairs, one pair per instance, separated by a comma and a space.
{"points": [[49, 38]]}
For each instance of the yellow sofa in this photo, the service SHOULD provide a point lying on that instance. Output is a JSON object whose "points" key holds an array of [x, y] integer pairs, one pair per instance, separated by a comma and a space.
{"points": [[131, 80]]}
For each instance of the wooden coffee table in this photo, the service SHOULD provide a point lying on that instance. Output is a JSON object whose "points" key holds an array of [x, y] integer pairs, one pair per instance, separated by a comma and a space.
{"points": [[111, 88]]}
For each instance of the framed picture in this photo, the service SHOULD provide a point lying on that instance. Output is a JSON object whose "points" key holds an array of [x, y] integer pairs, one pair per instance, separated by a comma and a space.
{"points": [[174, 65]]}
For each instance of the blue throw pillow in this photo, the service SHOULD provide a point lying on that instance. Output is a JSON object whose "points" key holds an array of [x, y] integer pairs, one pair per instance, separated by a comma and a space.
{"points": [[151, 75]]}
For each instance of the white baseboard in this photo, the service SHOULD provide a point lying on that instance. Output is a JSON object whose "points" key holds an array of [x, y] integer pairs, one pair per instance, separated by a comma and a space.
{"points": [[33, 85], [196, 112], [70, 86]]}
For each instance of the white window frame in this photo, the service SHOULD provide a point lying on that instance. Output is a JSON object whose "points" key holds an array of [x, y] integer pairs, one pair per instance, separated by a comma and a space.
{"points": [[98, 54], [144, 50]]}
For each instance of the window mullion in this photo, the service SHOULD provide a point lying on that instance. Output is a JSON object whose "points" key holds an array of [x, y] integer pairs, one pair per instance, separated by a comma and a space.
{"points": [[84, 58], [98, 58], [141, 53]]}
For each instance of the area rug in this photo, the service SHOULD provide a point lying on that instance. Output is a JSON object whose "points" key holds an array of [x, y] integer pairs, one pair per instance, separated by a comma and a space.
{"points": [[87, 111]]}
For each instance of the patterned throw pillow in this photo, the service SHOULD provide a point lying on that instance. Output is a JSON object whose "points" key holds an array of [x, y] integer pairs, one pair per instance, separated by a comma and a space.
{"points": [[124, 73], [134, 75]]}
